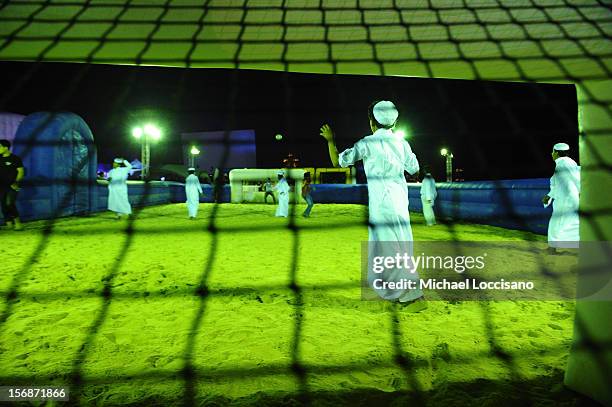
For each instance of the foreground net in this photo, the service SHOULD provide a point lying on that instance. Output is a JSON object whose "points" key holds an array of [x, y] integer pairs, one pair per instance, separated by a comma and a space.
{"points": [[531, 40]]}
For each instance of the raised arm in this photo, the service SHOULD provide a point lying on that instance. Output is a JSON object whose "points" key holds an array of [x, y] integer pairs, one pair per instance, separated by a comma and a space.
{"points": [[328, 135]]}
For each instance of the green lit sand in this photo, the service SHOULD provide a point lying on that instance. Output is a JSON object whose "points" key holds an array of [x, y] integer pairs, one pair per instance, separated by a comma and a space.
{"points": [[468, 353]]}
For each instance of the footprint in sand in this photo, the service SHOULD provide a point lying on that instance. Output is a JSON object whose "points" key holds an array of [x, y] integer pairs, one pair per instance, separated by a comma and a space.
{"points": [[441, 351], [152, 360], [558, 316], [533, 334]]}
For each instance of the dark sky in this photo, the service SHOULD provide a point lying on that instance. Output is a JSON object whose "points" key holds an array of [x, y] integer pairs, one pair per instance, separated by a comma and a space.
{"points": [[495, 130]]}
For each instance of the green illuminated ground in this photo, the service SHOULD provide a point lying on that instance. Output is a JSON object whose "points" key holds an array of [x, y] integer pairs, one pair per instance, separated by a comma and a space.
{"points": [[467, 353]]}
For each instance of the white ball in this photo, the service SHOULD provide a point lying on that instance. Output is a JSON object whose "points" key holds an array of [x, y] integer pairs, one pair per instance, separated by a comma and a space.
{"points": [[279, 136]]}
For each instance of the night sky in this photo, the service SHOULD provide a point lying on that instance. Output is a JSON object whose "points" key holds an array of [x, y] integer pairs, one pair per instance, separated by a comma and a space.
{"points": [[495, 130]]}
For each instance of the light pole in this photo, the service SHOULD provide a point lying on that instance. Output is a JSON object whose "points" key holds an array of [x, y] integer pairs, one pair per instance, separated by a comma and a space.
{"points": [[449, 164], [146, 134], [192, 155]]}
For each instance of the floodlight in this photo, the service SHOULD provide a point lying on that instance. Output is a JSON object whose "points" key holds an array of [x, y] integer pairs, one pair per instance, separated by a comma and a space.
{"points": [[152, 131]]}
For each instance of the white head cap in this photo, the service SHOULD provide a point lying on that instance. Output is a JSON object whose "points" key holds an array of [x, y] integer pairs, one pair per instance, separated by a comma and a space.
{"points": [[385, 113], [561, 147], [190, 169], [118, 160], [281, 172]]}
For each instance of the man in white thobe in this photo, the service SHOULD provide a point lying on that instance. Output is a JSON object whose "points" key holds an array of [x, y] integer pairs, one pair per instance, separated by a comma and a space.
{"points": [[193, 190], [428, 198], [282, 187], [385, 157], [118, 201], [563, 228]]}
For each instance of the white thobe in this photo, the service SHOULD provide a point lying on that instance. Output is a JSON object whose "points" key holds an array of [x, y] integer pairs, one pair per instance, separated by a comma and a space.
{"points": [[193, 189], [118, 191], [428, 198], [563, 228], [385, 158], [283, 198]]}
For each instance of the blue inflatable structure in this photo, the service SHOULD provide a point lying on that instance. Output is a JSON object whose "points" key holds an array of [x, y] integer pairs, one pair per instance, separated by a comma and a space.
{"points": [[59, 157], [514, 204]]}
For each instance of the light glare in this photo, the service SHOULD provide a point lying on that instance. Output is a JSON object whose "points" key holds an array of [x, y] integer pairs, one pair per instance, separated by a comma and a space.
{"points": [[152, 131], [137, 132]]}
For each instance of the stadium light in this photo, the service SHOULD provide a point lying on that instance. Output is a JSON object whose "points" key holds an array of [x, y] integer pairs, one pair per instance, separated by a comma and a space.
{"points": [[145, 134], [449, 163], [401, 134], [152, 131], [137, 132]]}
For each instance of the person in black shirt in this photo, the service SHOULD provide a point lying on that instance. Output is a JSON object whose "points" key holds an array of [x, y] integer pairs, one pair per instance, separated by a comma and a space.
{"points": [[11, 173]]}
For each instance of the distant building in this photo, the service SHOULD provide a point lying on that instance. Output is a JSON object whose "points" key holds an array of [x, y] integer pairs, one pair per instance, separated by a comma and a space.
{"points": [[220, 149], [459, 175]]}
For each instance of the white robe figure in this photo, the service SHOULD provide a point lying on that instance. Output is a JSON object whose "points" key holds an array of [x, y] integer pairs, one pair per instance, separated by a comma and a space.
{"points": [[385, 158], [563, 228], [118, 201], [193, 190], [282, 187], [428, 198]]}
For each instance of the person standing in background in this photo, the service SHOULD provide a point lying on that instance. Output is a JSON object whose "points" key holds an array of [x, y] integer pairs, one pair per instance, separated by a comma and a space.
{"points": [[118, 201], [269, 190], [193, 190], [563, 228], [11, 174], [306, 189], [428, 198], [217, 180], [282, 210]]}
